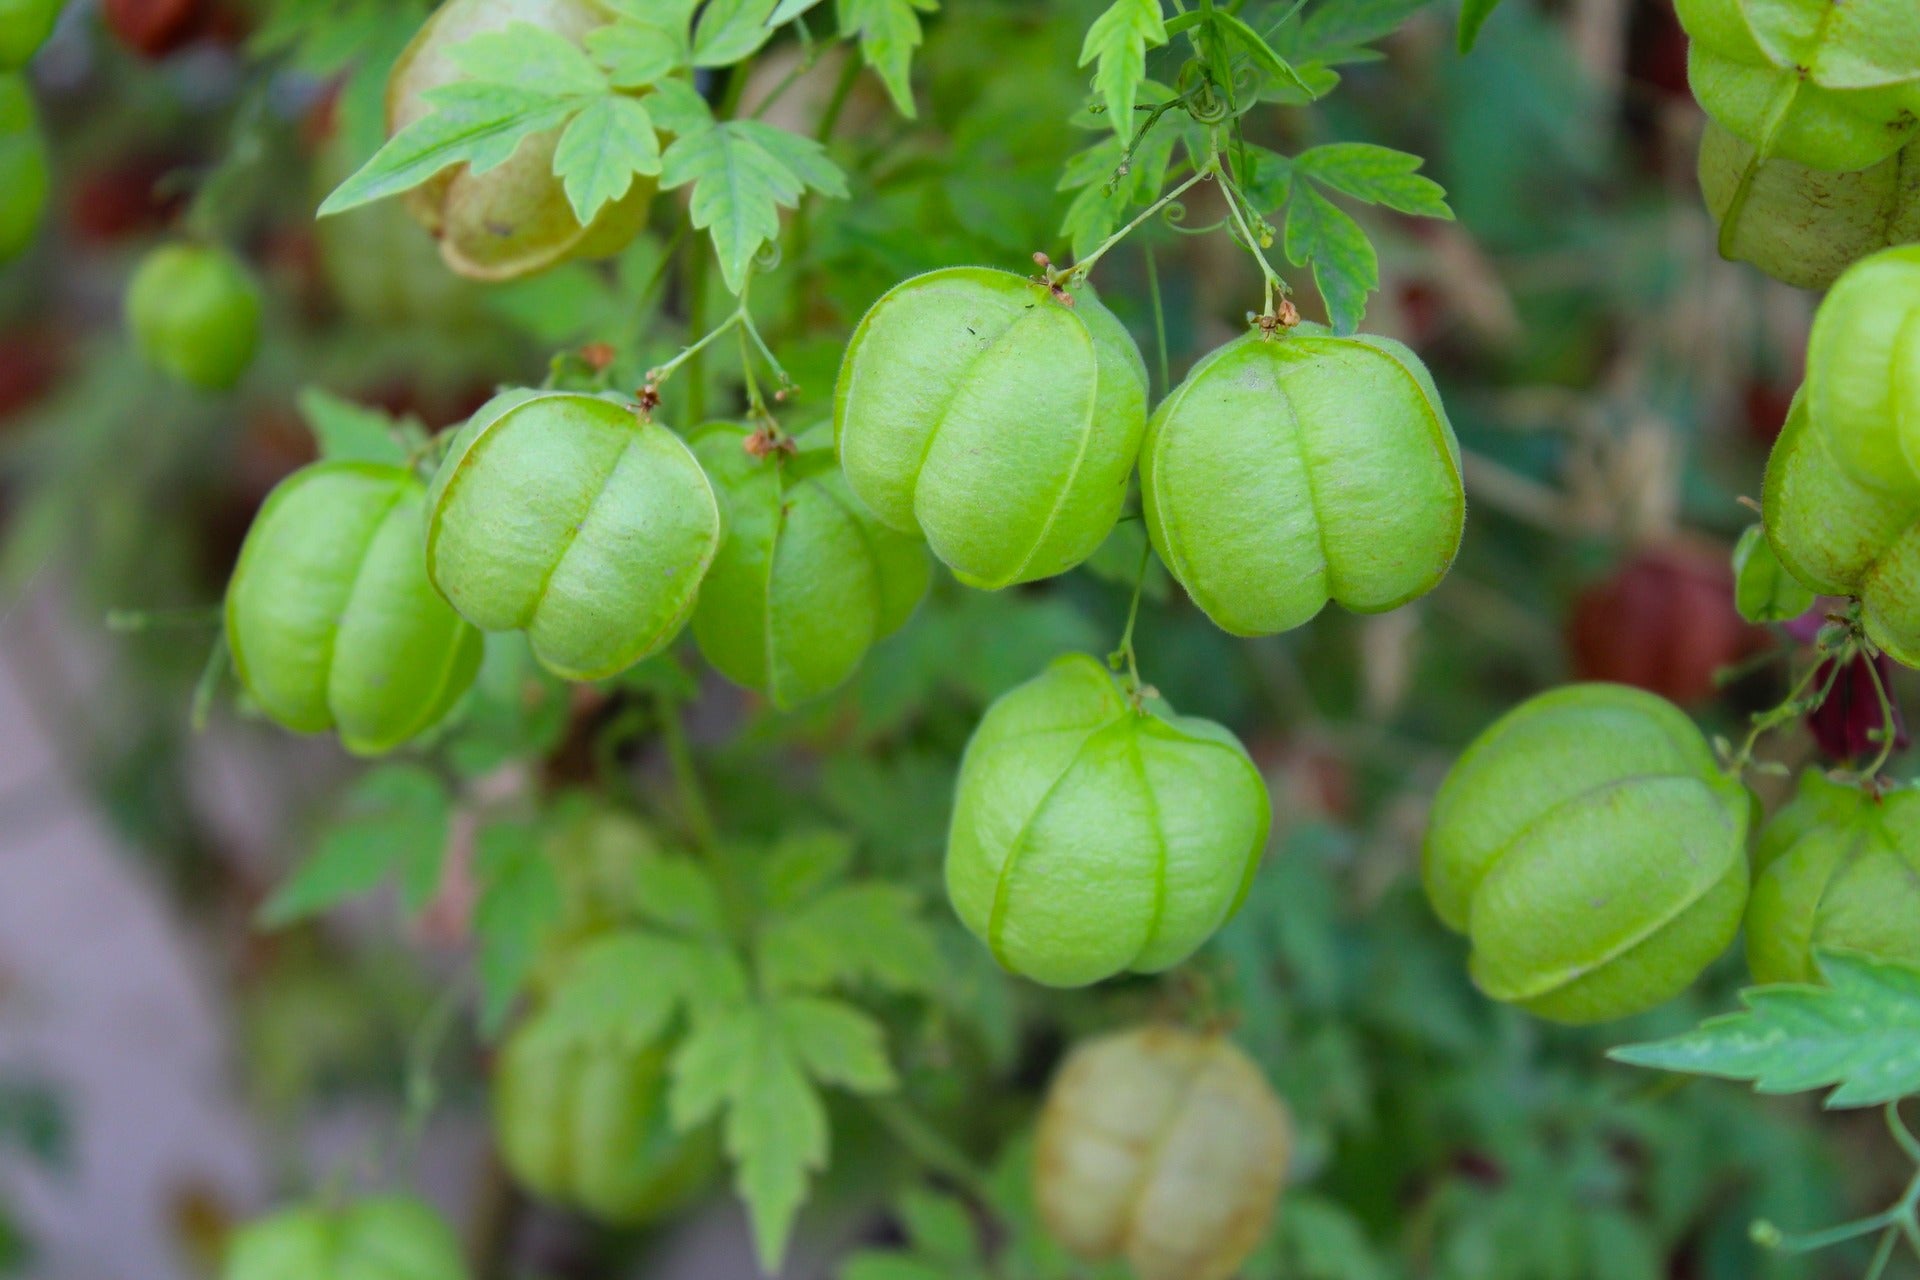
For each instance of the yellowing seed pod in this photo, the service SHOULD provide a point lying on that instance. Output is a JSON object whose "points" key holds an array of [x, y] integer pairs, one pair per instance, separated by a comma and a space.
{"points": [[1162, 1147]]}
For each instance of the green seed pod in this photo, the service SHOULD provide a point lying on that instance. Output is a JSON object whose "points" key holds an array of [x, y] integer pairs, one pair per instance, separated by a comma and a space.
{"points": [[330, 617], [195, 313], [1860, 391], [1090, 837], [806, 580], [24, 27], [513, 219], [1832, 86], [1805, 226], [384, 1238], [1844, 538], [574, 519], [1162, 1147], [599, 852], [1842, 873], [588, 1128], [1763, 590], [23, 169], [975, 409], [1592, 851], [380, 265], [1293, 470]]}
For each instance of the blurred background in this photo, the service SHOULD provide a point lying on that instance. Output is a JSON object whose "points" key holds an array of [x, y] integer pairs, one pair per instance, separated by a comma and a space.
{"points": [[167, 1068]]}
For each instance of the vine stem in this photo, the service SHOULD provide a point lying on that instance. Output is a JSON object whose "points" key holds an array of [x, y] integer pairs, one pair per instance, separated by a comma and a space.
{"points": [[692, 797], [932, 1148], [1125, 654], [1159, 318], [422, 1089], [1275, 286], [1889, 734], [1080, 269]]}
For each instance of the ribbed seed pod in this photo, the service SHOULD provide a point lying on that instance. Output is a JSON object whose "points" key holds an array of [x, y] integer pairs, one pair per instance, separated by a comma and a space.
{"points": [[588, 1128], [23, 169], [386, 1238], [513, 219], [976, 409], [1860, 390], [1090, 837], [24, 27], [1834, 86], [1287, 471], [1592, 851], [1839, 871], [194, 312], [574, 519], [806, 580], [1844, 538], [1805, 226], [1162, 1147], [330, 617]]}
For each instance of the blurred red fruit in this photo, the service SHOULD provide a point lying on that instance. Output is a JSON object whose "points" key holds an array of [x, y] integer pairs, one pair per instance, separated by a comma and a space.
{"points": [[122, 200], [154, 28], [1848, 724], [1664, 622]]}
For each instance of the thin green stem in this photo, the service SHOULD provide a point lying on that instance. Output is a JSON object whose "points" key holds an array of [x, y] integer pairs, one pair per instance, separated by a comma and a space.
{"points": [[932, 1148], [1275, 286], [207, 687], [132, 620], [1080, 269], [689, 354], [1897, 1126], [1159, 318], [1883, 1254], [842, 90], [696, 317], [692, 797], [421, 1085], [1124, 655], [1888, 731]]}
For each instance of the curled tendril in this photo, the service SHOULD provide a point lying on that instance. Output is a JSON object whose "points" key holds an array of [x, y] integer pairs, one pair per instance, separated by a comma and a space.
{"points": [[1246, 84], [1207, 106], [1175, 219], [767, 257]]}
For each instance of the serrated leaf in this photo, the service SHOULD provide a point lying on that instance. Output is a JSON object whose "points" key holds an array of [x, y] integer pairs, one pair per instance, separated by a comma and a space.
{"points": [[789, 10], [1378, 175], [349, 432], [529, 58], [941, 1227], [1345, 267], [395, 820], [1473, 16], [677, 893], [1334, 33], [1262, 53], [863, 932], [889, 32], [622, 989], [839, 1044], [678, 108], [801, 865], [1860, 1034], [1118, 41], [520, 903], [601, 150], [637, 54], [743, 173], [479, 125], [729, 30]]}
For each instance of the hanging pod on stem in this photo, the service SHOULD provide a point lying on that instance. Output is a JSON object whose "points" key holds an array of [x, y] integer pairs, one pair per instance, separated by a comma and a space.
{"points": [[392, 1237]]}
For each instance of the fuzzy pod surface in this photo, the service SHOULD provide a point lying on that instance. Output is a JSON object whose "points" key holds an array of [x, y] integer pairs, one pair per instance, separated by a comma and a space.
{"points": [[979, 411], [1091, 838], [383, 1238], [1592, 851], [1805, 226], [195, 313], [587, 1127], [1863, 370], [573, 519], [1162, 1147], [806, 579], [1844, 538], [514, 219], [1825, 85], [330, 618], [1289, 471], [24, 179], [1763, 590], [24, 27]]}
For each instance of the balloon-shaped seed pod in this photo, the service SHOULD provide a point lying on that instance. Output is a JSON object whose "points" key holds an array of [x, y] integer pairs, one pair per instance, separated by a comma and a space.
{"points": [[1842, 872], [587, 1127], [807, 580], [1861, 390], [998, 421], [330, 618], [1805, 226], [24, 180], [1164, 1148], [24, 27], [574, 519], [1818, 84], [380, 265], [1291, 470], [195, 313], [1091, 837], [513, 219], [1844, 538], [1592, 851], [384, 1238]]}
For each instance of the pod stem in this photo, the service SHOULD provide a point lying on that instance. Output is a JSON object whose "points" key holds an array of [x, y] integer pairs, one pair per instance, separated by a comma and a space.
{"points": [[1898, 1222], [1124, 657]]}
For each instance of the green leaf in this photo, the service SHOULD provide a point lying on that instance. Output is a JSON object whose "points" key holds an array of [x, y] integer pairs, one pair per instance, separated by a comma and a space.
{"points": [[349, 432], [863, 932], [395, 819], [622, 989], [1378, 175], [743, 173], [677, 893], [940, 1227], [636, 54], [479, 125], [532, 59], [520, 903], [1860, 1034], [1118, 40], [600, 152], [801, 865], [729, 30], [889, 32], [1473, 16], [678, 108], [840, 1044], [789, 10], [1263, 55], [1345, 268]]}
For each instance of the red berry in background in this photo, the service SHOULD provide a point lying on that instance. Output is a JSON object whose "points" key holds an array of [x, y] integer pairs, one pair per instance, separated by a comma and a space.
{"points": [[154, 28], [122, 200], [1767, 405], [1847, 726], [30, 363], [1664, 621]]}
